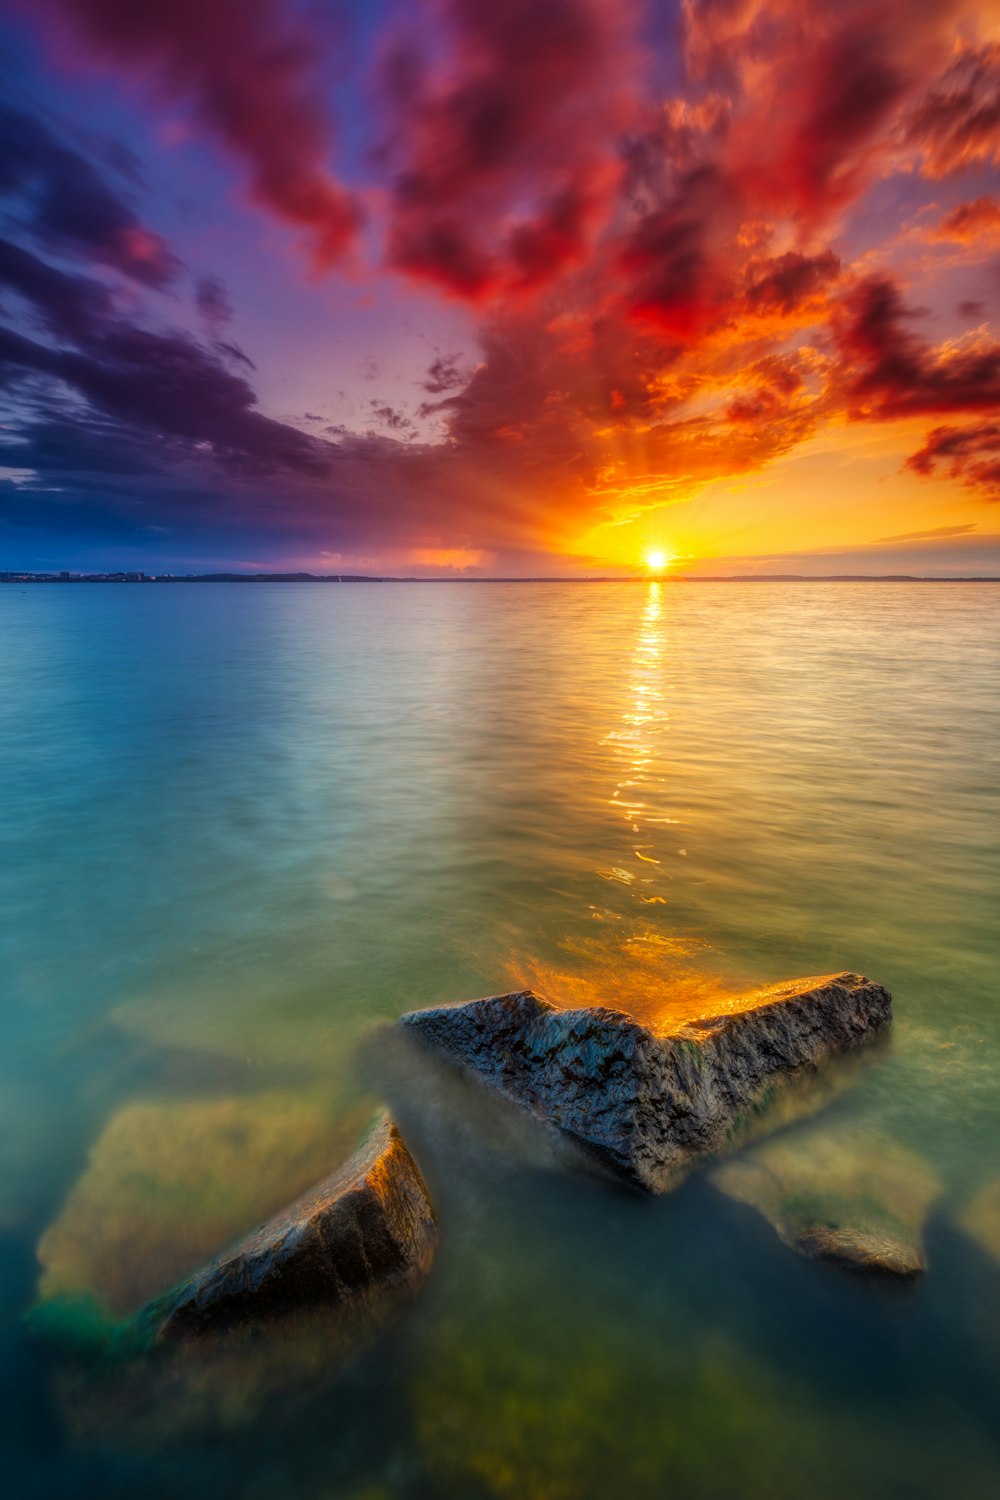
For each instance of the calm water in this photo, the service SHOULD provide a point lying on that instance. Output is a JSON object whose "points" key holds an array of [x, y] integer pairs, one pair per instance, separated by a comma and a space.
{"points": [[244, 826]]}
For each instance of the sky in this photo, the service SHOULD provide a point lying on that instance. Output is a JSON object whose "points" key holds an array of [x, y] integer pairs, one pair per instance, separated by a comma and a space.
{"points": [[535, 288]]}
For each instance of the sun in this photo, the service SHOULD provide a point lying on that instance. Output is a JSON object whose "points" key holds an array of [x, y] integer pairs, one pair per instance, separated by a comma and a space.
{"points": [[657, 560]]}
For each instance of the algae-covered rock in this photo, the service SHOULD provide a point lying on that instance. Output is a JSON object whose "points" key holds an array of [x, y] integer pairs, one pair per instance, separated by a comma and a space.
{"points": [[170, 1181], [645, 1104], [367, 1228], [277, 1317], [841, 1194]]}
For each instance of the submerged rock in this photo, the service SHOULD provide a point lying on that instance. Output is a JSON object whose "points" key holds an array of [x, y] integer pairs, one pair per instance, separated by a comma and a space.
{"points": [[981, 1218], [169, 1181], [645, 1104], [274, 1319], [839, 1194], [368, 1228]]}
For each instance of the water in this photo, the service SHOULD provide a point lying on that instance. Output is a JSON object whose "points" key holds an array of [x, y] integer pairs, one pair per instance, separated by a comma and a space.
{"points": [[245, 825]]}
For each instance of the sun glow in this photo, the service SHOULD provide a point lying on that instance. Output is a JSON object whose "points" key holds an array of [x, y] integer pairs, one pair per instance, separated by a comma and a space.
{"points": [[657, 561]]}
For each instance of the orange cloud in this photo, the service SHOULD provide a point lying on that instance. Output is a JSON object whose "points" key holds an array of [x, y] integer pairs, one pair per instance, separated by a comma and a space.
{"points": [[978, 221]]}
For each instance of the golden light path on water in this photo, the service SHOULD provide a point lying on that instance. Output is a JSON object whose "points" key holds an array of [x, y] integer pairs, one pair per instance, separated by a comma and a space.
{"points": [[636, 966]]}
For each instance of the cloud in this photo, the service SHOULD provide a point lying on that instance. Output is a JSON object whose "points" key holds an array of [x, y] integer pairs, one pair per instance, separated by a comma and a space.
{"points": [[670, 258], [970, 454], [248, 70], [813, 91], [387, 416], [969, 223], [60, 199], [446, 373], [956, 123], [786, 281], [889, 372], [503, 148], [163, 383], [925, 536], [213, 303]]}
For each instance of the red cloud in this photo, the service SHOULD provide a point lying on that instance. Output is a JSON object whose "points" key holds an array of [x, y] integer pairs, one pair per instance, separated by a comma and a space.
{"points": [[889, 372], [505, 154], [971, 454], [957, 122], [813, 90], [247, 68], [786, 281]]}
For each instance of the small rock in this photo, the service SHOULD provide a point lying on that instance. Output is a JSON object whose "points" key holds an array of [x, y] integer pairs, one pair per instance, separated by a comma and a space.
{"points": [[839, 1193], [645, 1104], [169, 1181], [981, 1217], [368, 1228], [861, 1249]]}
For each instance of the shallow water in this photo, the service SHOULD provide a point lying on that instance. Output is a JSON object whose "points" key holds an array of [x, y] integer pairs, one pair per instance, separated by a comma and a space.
{"points": [[245, 825]]}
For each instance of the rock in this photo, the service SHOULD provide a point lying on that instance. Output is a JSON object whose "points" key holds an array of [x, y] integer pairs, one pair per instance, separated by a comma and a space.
{"points": [[645, 1104], [169, 1181], [861, 1250], [981, 1218], [838, 1193], [368, 1228]]}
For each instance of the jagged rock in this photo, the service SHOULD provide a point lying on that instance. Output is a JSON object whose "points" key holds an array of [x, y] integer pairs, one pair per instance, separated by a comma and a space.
{"points": [[644, 1104], [841, 1194], [370, 1227]]}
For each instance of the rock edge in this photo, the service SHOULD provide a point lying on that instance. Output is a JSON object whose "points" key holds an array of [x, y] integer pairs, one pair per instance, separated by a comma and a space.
{"points": [[370, 1227]]}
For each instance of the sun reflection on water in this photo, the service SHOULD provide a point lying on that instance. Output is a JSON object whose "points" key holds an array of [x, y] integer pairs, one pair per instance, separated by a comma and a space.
{"points": [[638, 795], [633, 965]]}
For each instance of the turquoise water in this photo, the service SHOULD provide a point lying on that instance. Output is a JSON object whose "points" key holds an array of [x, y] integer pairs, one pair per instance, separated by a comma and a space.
{"points": [[245, 825]]}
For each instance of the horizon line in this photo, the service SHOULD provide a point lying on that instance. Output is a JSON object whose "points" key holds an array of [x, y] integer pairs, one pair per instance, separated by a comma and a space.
{"points": [[137, 575]]}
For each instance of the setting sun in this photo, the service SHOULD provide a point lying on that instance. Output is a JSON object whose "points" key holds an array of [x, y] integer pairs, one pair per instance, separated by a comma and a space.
{"points": [[657, 561]]}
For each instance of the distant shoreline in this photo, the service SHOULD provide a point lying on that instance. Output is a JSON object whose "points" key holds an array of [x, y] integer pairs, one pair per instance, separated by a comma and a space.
{"points": [[137, 577]]}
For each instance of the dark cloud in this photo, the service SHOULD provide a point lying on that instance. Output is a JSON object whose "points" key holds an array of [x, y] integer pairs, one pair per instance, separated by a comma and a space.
{"points": [[72, 307], [163, 383], [233, 352], [970, 454], [504, 154], [213, 303], [216, 311], [786, 281], [248, 69], [387, 416], [889, 372], [445, 373], [62, 201], [676, 278]]}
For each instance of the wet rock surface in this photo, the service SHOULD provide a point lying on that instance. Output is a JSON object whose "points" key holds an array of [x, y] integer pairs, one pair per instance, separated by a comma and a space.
{"points": [[369, 1228], [847, 1195], [644, 1105]]}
